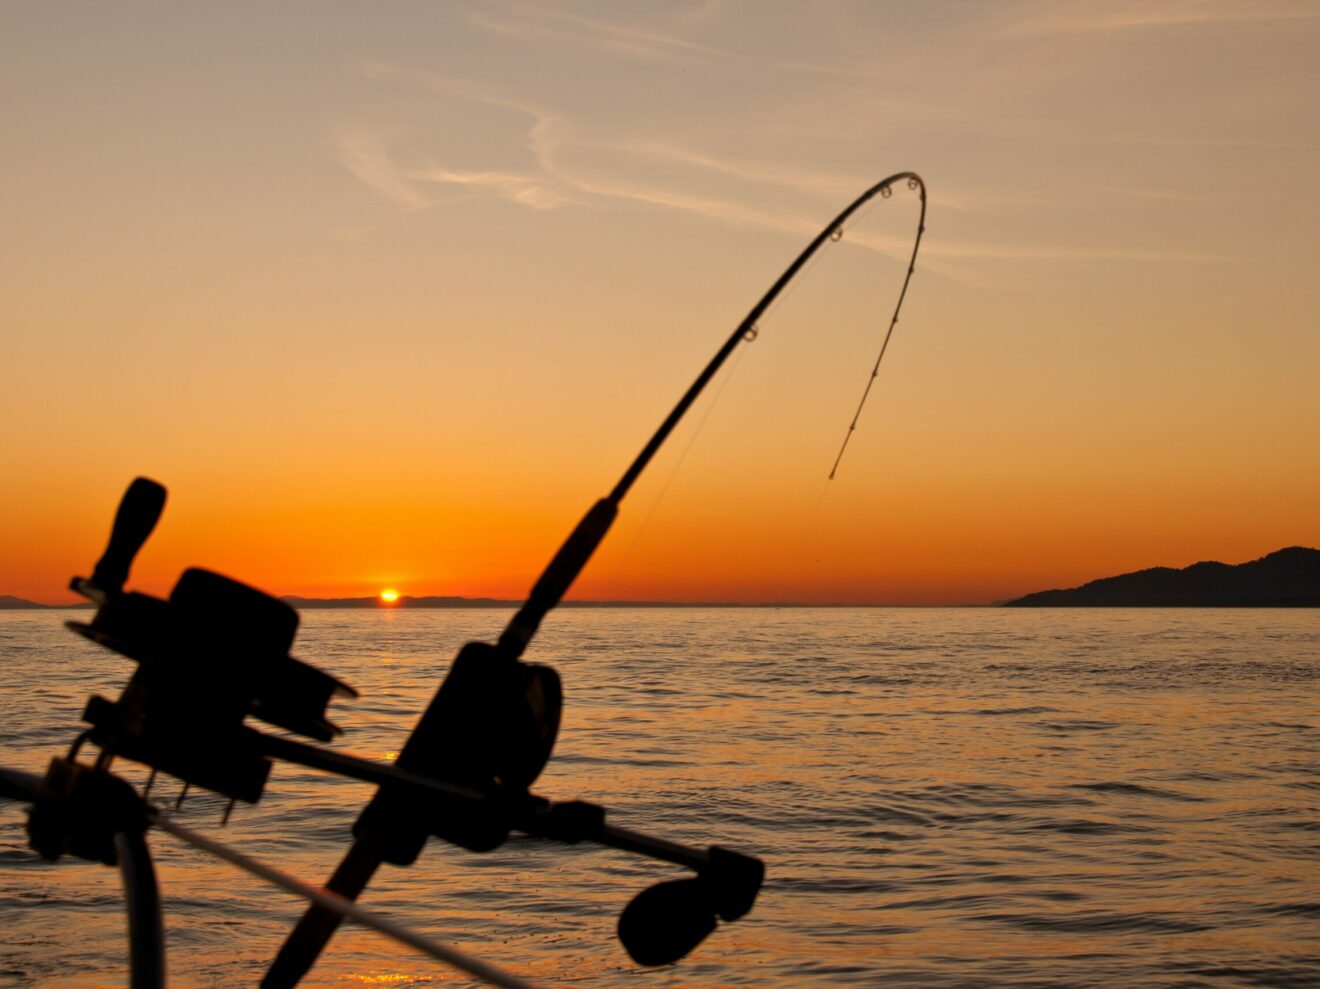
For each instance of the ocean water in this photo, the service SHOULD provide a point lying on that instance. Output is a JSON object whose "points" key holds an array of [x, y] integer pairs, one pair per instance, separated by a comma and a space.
{"points": [[943, 798]]}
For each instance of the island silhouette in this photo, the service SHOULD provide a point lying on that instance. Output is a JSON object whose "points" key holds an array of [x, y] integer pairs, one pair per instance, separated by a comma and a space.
{"points": [[1288, 578], [10, 603]]}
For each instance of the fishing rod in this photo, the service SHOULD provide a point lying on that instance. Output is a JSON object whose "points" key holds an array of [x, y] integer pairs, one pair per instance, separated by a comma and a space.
{"points": [[216, 654], [563, 569], [488, 679]]}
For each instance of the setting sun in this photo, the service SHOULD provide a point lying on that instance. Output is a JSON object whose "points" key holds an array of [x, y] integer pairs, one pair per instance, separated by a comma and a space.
{"points": [[389, 596]]}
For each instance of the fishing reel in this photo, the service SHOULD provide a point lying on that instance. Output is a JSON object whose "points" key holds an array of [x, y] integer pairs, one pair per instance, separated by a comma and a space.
{"points": [[213, 654], [216, 653], [491, 727]]}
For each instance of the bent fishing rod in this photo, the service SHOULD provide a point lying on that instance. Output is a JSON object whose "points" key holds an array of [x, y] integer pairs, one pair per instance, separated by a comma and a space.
{"points": [[462, 708], [564, 568]]}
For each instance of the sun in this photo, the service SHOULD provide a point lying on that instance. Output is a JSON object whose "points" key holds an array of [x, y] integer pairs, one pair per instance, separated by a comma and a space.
{"points": [[389, 596]]}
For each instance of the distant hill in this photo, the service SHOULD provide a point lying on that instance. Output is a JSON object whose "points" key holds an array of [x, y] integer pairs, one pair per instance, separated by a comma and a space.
{"points": [[1289, 578], [10, 603]]}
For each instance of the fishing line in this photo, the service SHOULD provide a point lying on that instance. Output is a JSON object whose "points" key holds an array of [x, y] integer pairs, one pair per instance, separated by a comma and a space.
{"points": [[815, 510], [793, 286], [745, 330], [825, 487], [886, 192], [678, 464], [752, 334], [752, 329]]}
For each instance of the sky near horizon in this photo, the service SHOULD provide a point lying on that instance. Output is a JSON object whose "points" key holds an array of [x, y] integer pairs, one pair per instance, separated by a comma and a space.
{"points": [[388, 294]]}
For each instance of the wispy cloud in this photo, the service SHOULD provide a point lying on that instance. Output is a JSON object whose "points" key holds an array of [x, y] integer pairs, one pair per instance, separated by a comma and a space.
{"points": [[564, 167], [772, 174], [548, 24], [551, 180], [715, 209], [898, 246], [1208, 143], [1030, 252], [527, 190], [364, 154], [1098, 17], [643, 44]]}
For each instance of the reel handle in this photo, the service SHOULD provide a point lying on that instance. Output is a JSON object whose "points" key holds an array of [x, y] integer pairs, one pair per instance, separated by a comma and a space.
{"points": [[139, 510]]}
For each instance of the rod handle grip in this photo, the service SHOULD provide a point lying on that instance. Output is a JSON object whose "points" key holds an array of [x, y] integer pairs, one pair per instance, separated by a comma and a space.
{"points": [[139, 510]]}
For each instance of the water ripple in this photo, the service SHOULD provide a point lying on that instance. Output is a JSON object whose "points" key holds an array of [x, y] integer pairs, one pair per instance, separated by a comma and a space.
{"points": [[952, 798]]}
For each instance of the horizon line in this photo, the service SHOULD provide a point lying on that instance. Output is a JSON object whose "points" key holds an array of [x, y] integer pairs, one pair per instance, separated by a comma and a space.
{"points": [[458, 602]]}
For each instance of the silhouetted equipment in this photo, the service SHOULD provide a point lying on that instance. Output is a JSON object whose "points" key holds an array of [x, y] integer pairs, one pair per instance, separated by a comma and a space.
{"points": [[139, 511], [666, 921], [89, 813], [78, 811], [215, 656]]}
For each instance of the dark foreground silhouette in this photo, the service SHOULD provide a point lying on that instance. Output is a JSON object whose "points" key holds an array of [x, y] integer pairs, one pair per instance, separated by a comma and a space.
{"points": [[1289, 578], [216, 653]]}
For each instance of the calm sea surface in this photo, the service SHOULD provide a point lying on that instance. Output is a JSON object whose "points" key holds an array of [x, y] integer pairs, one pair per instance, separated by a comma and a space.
{"points": [[943, 797]]}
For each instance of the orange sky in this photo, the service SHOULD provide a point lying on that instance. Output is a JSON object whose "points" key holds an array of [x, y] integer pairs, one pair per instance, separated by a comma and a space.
{"points": [[387, 297]]}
